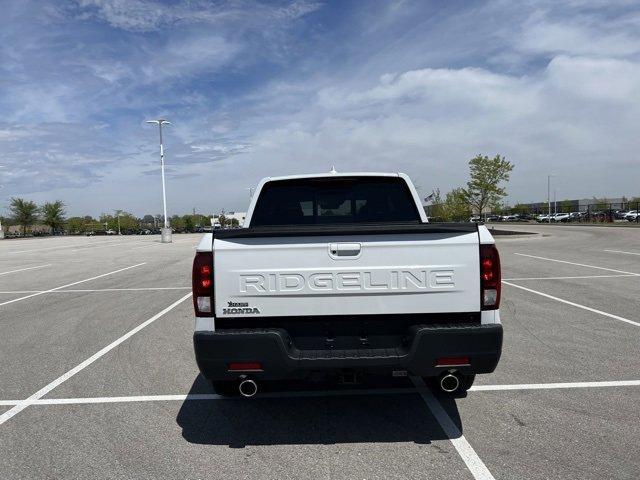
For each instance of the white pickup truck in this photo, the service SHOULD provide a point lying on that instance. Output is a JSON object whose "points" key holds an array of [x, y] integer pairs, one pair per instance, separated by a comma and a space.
{"points": [[341, 274]]}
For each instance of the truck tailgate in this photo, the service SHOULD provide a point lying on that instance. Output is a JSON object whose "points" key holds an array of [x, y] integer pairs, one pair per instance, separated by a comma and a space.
{"points": [[435, 272]]}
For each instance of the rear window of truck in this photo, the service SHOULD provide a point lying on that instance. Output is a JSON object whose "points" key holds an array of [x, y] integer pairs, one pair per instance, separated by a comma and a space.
{"points": [[335, 200]]}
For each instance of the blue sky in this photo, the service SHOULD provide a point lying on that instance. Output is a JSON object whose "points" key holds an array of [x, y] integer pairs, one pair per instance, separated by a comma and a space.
{"points": [[269, 88]]}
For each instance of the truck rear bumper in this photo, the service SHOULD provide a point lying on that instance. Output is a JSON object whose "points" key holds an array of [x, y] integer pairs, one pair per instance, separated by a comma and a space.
{"points": [[280, 359]]}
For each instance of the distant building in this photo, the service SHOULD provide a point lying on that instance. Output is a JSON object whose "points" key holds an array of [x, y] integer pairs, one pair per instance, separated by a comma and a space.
{"points": [[579, 205]]}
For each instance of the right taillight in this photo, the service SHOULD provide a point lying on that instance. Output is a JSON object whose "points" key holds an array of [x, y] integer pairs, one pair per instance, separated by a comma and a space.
{"points": [[202, 283], [490, 277]]}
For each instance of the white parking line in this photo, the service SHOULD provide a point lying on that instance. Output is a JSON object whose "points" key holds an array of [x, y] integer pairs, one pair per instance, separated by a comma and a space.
{"points": [[319, 393], [553, 386], [82, 290], [574, 277], [578, 264], [60, 247], [63, 378], [69, 284], [25, 269], [474, 463], [622, 251], [584, 307]]}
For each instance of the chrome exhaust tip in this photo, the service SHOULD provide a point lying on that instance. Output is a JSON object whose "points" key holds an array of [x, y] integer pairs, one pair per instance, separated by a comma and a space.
{"points": [[449, 383], [248, 388]]}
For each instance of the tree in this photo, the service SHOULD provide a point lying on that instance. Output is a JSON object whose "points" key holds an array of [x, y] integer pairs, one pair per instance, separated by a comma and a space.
{"points": [[177, 223], [521, 209], [483, 188], [566, 206], [53, 214], [24, 213], [456, 205], [436, 210], [75, 225], [189, 224]]}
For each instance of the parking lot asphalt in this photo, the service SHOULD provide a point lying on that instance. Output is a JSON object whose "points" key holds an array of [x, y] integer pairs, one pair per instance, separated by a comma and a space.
{"points": [[97, 336]]}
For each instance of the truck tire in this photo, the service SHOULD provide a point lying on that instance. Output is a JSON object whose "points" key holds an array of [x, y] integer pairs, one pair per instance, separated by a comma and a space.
{"points": [[225, 388]]}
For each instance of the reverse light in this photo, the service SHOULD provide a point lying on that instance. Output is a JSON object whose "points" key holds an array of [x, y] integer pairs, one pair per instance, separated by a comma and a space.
{"points": [[490, 277], [202, 283]]}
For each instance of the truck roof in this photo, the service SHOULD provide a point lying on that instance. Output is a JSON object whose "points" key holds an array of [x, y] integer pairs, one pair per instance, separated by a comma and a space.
{"points": [[331, 174]]}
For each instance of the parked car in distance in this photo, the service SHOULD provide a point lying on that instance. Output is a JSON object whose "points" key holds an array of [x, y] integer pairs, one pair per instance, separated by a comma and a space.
{"points": [[542, 218], [509, 218], [632, 215], [561, 217], [475, 219], [110, 232]]}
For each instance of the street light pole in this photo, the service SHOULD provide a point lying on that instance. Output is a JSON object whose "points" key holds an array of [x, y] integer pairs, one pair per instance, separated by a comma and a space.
{"points": [[166, 231], [118, 214], [549, 195], [1, 231]]}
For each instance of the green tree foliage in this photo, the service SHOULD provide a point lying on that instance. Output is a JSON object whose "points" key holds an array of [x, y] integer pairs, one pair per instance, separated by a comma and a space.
{"points": [[565, 206], [75, 225], [177, 223], [454, 207], [521, 209], [128, 222], [53, 214], [24, 213], [483, 189]]}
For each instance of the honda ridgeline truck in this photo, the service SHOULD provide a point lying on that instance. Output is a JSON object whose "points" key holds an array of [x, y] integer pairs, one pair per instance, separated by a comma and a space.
{"points": [[341, 273]]}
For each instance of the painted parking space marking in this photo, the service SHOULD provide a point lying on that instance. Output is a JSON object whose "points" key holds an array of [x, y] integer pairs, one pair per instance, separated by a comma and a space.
{"points": [[576, 277], [469, 456], [577, 264], [25, 269], [553, 386], [66, 376], [70, 284], [90, 290], [623, 252], [320, 393], [567, 302]]}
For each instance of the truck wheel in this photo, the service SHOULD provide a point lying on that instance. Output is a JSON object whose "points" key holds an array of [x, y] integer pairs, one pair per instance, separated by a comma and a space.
{"points": [[225, 388]]}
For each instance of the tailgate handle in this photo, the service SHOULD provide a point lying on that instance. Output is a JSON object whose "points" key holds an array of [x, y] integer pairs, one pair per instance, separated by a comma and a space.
{"points": [[351, 249]]}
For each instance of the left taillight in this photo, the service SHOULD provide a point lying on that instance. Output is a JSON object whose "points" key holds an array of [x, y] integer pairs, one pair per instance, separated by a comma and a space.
{"points": [[490, 277], [202, 283]]}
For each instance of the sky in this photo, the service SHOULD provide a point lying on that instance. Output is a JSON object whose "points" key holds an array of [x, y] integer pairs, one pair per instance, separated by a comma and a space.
{"points": [[256, 89]]}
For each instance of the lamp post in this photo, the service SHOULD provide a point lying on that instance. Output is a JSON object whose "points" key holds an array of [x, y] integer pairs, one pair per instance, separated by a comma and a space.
{"points": [[1, 230], [549, 195], [165, 236], [118, 214]]}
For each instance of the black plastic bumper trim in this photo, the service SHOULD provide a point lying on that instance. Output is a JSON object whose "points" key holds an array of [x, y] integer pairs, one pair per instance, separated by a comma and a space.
{"points": [[280, 358]]}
